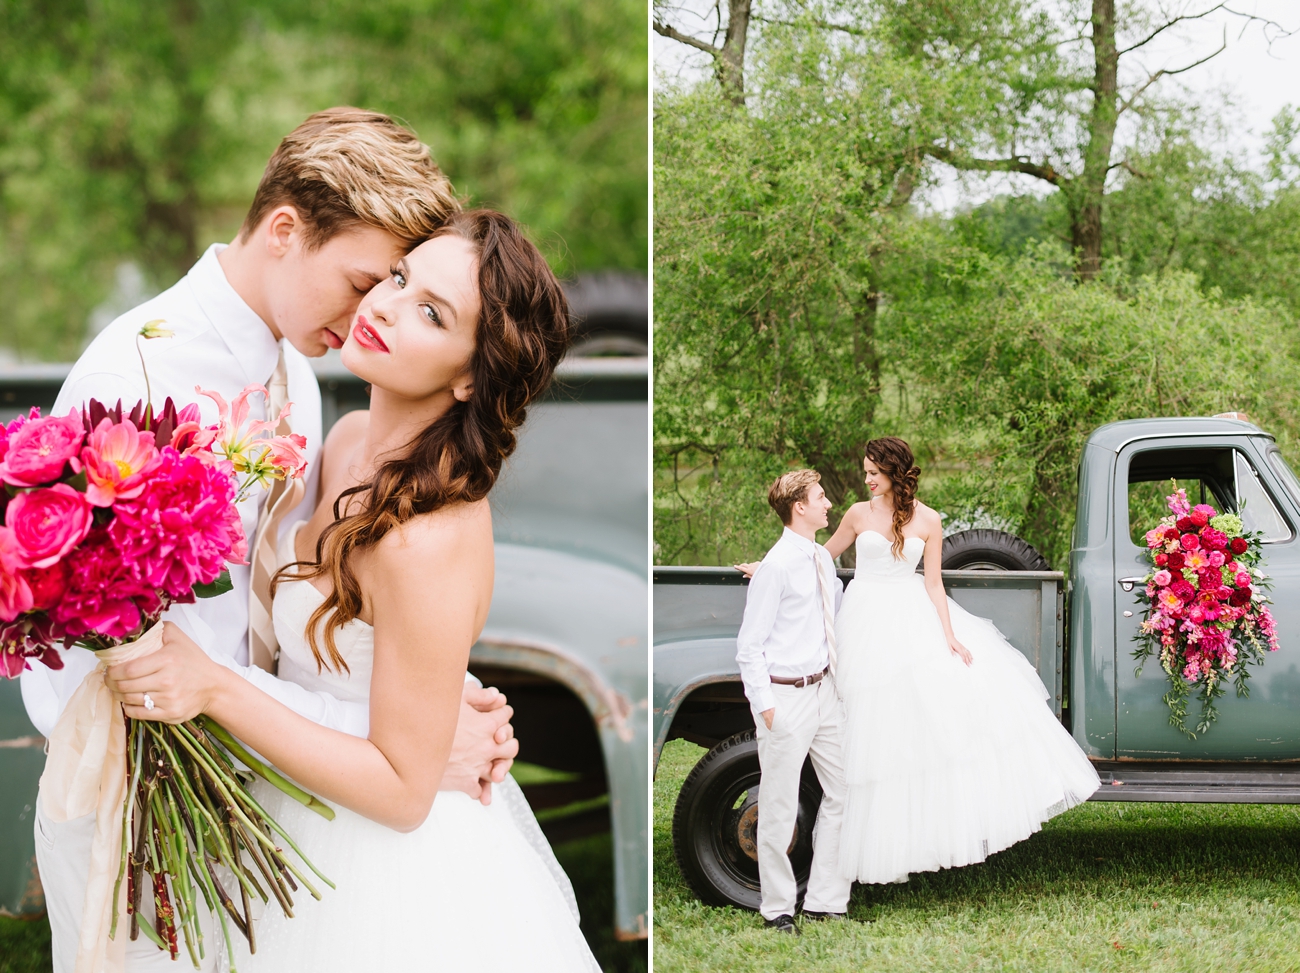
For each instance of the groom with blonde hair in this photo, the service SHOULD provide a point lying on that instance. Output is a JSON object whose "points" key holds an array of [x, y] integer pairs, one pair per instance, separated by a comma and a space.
{"points": [[346, 194], [786, 654]]}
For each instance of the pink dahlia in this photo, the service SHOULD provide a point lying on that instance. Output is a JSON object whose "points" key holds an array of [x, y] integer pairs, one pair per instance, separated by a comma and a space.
{"points": [[182, 528], [39, 450], [117, 457]]}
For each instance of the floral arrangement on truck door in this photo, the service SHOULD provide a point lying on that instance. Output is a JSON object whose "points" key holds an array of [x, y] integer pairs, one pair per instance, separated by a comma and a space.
{"points": [[1207, 616]]}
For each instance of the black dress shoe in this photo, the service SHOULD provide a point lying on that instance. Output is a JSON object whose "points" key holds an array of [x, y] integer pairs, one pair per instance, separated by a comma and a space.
{"points": [[782, 924], [823, 916]]}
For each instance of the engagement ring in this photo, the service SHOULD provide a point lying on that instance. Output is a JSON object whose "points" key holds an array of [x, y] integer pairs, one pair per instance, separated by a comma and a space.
{"points": [[148, 701]]}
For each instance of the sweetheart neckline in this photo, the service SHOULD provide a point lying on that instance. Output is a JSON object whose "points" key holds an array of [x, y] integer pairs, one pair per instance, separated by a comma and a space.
{"points": [[887, 540]]}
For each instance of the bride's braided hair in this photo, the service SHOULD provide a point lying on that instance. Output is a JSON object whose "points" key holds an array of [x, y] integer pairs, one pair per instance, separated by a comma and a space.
{"points": [[523, 331], [894, 458]]}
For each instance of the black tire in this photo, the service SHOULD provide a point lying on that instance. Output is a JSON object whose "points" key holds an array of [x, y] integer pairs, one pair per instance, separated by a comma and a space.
{"points": [[715, 822], [990, 550]]}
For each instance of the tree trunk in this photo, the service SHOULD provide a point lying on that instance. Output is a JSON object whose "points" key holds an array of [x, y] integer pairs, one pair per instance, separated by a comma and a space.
{"points": [[1085, 211], [730, 60]]}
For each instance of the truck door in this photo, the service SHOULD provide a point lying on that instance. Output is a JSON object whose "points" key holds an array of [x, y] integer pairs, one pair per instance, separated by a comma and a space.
{"points": [[1232, 473]]}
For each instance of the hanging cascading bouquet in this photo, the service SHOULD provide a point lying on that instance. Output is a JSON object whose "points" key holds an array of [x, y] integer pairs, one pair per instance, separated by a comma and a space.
{"points": [[1206, 617], [110, 517]]}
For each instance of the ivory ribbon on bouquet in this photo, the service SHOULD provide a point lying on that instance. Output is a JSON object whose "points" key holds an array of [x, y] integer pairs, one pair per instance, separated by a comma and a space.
{"points": [[86, 771]]}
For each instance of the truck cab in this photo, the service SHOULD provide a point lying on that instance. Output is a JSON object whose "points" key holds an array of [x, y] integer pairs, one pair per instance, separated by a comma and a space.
{"points": [[1078, 635], [1124, 476]]}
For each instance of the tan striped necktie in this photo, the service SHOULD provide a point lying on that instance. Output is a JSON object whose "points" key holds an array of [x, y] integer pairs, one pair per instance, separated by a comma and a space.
{"points": [[282, 497], [825, 579]]}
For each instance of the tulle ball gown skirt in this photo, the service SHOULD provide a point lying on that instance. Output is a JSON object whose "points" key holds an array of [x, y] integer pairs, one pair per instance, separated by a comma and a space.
{"points": [[466, 891], [946, 764]]}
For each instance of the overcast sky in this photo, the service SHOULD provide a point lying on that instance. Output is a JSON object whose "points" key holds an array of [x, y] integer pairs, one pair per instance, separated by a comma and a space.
{"points": [[1260, 77]]}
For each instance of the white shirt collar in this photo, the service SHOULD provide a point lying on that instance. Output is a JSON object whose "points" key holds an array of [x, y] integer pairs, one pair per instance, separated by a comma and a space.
{"points": [[802, 543], [246, 335]]}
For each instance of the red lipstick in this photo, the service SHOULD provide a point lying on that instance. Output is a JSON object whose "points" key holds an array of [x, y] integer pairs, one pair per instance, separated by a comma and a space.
{"points": [[367, 337]]}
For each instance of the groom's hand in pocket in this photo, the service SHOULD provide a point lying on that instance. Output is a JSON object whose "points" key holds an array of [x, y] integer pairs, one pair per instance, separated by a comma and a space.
{"points": [[485, 744]]}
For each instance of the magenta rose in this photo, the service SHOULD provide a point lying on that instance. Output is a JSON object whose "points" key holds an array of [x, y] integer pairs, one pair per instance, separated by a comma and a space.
{"points": [[1242, 580], [15, 594], [1190, 542], [48, 523], [39, 450], [1198, 517]]}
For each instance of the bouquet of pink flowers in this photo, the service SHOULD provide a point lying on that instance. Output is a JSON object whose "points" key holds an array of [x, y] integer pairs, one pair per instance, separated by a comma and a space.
{"points": [[108, 519], [1206, 614]]}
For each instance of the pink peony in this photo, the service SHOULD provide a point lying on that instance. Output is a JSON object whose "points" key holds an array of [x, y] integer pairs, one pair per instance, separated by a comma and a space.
{"points": [[182, 528], [1190, 542], [1214, 540], [1216, 559], [103, 596], [15, 594], [117, 458], [47, 523], [1242, 580], [39, 450]]}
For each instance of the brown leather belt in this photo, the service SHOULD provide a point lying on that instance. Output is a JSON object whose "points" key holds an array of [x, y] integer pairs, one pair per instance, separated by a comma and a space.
{"points": [[802, 681]]}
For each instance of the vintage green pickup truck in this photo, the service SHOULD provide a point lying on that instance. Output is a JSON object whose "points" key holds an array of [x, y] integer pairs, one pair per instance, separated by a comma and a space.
{"points": [[565, 640], [1078, 634]]}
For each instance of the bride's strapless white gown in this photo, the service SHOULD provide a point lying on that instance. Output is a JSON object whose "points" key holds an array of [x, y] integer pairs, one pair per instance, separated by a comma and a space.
{"points": [[946, 764], [473, 888]]}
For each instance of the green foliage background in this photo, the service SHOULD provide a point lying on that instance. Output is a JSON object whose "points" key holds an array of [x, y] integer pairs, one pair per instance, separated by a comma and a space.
{"points": [[804, 304], [138, 131]]}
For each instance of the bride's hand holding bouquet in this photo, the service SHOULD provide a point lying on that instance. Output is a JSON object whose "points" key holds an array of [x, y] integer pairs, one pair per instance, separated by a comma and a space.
{"points": [[110, 518]]}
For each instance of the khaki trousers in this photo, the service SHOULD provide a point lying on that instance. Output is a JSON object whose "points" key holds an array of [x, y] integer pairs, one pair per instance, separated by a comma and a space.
{"points": [[63, 859], [808, 721]]}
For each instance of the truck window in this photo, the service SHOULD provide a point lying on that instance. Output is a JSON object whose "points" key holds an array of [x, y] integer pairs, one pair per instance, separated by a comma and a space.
{"points": [[1221, 476], [1258, 512], [1284, 473]]}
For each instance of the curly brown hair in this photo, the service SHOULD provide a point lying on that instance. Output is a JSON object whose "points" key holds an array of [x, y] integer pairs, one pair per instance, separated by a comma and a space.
{"points": [[522, 333], [894, 458]]}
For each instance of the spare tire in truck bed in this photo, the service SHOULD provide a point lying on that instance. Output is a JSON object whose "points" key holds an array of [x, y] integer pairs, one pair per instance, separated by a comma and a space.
{"points": [[990, 550]]}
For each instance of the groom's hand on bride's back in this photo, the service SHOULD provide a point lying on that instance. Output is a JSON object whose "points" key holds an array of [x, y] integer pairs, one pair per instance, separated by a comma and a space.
{"points": [[485, 744]]}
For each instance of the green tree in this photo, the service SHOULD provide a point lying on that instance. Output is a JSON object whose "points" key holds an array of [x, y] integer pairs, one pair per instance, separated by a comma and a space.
{"points": [[138, 132]]}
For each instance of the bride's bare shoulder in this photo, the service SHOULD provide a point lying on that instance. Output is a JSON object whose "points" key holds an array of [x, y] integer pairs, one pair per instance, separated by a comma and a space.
{"points": [[450, 538], [926, 516]]}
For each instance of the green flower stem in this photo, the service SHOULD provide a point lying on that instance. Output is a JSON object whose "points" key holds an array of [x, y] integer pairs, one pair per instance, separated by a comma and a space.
{"points": [[267, 773]]}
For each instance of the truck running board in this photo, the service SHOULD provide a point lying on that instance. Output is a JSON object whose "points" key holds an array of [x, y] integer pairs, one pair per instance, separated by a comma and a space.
{"points": [[1198, 783]]}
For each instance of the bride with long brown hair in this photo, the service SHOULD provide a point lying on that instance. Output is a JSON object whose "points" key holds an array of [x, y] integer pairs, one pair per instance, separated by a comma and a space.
{"points": [[382, 593], [951, 753]]}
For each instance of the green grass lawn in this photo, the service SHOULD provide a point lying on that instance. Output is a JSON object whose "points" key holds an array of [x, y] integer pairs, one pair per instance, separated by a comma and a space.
{"points": [[1176, 887]]}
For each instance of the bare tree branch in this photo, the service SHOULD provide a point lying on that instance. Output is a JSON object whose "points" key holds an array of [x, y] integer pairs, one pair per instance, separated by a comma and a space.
{"points": [[669, 31], [960, 160], [815, 22], [1125, 164], [1165, 26], [1162, 73]]}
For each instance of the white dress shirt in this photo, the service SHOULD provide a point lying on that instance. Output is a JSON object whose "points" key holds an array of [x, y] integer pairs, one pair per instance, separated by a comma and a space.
{"points": [[784, 629], [220, 344]]}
